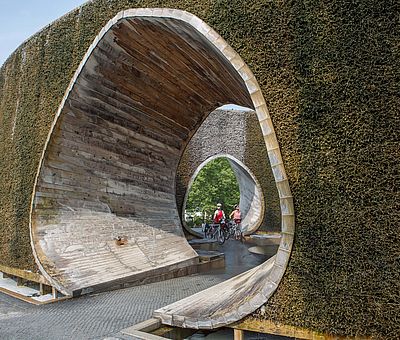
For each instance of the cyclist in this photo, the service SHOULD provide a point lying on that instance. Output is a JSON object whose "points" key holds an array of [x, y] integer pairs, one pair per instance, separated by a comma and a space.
{"points": [[218, 214], [237, 215], [237, 218]]}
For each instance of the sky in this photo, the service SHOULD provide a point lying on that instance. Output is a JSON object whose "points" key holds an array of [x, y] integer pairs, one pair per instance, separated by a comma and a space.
{"points": [[20, 19]]}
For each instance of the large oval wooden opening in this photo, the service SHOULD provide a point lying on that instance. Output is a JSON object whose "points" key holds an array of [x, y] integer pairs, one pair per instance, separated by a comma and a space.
{"points": [[104, 208]]}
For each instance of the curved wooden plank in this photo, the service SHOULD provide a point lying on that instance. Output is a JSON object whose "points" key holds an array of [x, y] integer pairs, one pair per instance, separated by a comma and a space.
{"points": [[223, 303], [251, 196], [109, 167]]}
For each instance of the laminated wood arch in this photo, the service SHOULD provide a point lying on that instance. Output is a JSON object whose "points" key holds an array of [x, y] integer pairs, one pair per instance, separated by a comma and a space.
{"points": [[251, 196], [146, 83]]}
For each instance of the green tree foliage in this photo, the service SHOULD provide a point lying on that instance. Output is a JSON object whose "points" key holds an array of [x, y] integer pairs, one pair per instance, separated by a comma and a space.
{"points": [[215, 183]]}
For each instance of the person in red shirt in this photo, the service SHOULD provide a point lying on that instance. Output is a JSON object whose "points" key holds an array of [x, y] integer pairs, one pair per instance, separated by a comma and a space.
{"points": [[218, 214]]}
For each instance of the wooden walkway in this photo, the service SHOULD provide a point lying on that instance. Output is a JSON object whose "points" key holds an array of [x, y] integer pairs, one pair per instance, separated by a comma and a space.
{"points": [[223, 303]]}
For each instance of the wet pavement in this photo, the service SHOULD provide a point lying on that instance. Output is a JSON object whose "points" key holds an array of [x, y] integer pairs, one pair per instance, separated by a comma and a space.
{"points": [[238, 259], [104, 315]]}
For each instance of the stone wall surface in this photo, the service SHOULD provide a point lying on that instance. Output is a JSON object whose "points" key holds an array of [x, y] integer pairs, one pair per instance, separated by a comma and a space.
{"points": [[238, 134], [329, 72]]}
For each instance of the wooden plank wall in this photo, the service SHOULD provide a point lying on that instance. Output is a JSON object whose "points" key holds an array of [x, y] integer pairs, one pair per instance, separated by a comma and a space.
{"points": [[109, 168]]}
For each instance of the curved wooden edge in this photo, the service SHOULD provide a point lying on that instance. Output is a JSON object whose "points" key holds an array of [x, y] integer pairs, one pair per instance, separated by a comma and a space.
{"points": [[252, 227], [205, 311], [259, 104]]}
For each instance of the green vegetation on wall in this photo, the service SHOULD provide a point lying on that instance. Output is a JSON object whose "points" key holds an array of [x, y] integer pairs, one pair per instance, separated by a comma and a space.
{"points": [[330, 73]]}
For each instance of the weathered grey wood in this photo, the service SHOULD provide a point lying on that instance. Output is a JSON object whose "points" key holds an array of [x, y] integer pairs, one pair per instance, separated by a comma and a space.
{"points": [[223, 303], [73, 244], [109, 168]]}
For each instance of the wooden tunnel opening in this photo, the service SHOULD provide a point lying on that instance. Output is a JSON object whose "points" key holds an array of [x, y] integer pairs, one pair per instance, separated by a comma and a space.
{"points": [[108, 169]]}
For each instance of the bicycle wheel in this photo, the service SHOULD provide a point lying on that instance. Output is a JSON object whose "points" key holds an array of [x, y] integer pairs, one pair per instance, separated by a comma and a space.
{"points": [[232, 231], [238, 234], [220, 237], [227, 233], [211, 232]]}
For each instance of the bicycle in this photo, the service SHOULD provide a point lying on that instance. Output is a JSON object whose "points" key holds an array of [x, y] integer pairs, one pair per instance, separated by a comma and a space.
{"points": [[236, 231], [230, 231], [216, 232], [225, 228]]}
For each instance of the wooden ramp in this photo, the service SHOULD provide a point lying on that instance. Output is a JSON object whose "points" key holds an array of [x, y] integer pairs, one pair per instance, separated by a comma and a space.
{"points": [[222, 304]]}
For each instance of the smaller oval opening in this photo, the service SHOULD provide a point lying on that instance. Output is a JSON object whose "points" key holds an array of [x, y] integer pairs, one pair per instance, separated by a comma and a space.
{"points": [[215, 183], [223, 179]]}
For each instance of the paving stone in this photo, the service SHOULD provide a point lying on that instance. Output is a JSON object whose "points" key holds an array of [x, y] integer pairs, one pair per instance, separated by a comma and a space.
{"points": [[102, 316]]}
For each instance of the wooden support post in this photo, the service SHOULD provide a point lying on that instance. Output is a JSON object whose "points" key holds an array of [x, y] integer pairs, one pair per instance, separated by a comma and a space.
{"points": [[41, 289], [54, 292], [238, 334]]}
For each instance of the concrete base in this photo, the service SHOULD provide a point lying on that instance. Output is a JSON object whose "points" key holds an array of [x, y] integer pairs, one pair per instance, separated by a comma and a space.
{"points": [[210, 260], [264, 239], [204, 244]]}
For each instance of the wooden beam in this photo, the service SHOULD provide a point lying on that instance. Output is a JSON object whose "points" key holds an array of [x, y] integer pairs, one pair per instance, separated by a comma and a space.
{"points": [[29, 299], [270, 327], [24, 274], [142, 335], [145, 326]]}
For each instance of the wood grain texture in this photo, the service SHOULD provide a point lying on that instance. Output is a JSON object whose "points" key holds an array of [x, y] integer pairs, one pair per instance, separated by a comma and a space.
{"points": [[221, 304], [109, 168], [251, 197]]}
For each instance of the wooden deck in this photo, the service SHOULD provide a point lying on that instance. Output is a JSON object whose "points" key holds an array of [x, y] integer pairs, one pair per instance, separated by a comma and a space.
{"points": [[222, 304]]}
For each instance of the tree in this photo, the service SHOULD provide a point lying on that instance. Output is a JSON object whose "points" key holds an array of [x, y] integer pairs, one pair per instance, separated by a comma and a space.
{"points": [[215, 183]]}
